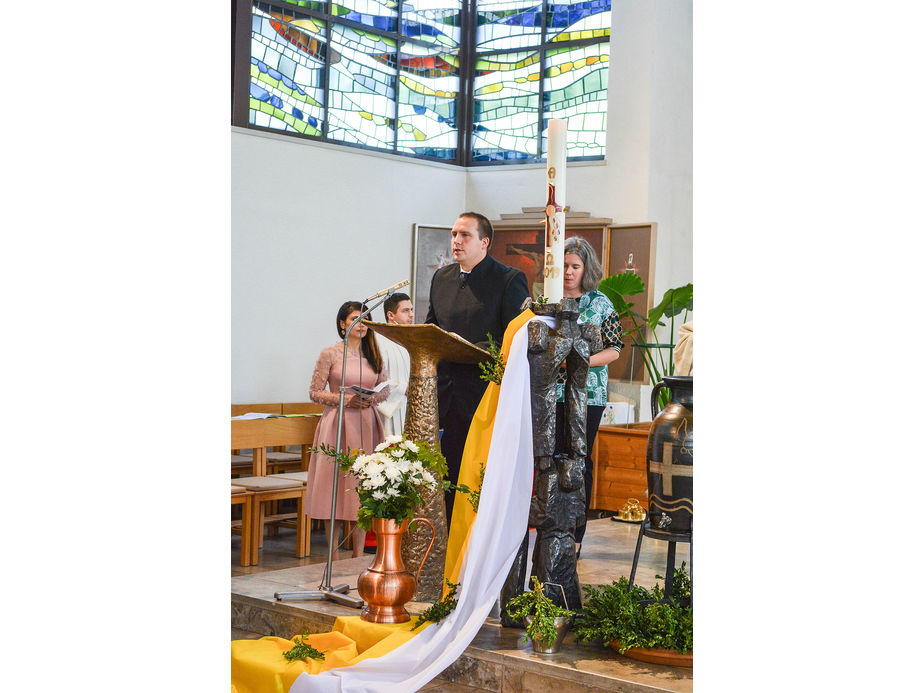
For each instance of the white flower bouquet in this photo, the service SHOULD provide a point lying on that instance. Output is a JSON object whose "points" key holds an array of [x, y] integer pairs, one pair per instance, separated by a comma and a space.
{"points": [[392, 479]]}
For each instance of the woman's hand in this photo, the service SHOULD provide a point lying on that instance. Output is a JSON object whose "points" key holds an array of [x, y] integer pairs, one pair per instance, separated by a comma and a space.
{"points": [[358, 402]]}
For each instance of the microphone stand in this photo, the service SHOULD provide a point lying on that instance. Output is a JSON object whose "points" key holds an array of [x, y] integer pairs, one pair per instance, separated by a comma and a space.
{"points": [[325, 590]]}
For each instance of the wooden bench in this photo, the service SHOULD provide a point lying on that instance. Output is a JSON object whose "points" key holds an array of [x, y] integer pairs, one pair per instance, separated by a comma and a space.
{"points": [[267, 489]]}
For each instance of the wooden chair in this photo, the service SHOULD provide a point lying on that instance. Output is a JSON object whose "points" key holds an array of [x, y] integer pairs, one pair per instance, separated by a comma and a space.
{"points": [[267, 489], [244, 527]]}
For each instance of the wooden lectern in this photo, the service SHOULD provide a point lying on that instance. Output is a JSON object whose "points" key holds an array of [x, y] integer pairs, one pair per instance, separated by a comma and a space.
{"points": [[427, 346]]}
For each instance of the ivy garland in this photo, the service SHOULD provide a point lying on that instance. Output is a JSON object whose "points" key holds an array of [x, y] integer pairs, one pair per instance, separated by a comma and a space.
{"points": [[441, 609]]}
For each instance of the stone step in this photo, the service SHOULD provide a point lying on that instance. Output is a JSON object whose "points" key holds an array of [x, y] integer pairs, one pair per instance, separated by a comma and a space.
{"points": [[497, 660]]}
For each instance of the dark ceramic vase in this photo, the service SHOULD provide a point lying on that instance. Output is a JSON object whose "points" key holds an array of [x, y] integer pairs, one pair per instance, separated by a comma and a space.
{"points": [[670, 457]]}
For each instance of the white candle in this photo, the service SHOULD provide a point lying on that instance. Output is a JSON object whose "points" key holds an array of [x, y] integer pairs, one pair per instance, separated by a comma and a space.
{"points": [[555, 211]]}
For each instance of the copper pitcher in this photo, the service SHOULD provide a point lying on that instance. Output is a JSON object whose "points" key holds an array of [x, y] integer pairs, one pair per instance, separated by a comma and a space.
{"points": [[386, 585]]}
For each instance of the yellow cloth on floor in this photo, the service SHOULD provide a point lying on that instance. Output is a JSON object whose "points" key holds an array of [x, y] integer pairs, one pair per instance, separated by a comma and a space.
{"points": [[257, 666], [477, 444]]}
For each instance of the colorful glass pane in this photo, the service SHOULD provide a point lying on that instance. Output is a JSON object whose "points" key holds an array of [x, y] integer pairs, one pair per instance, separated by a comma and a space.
{"points": [[362, 88], [429, 86], [375, 14], [508, 24], [506, 99], [287, 57], [316, 5], [575, 89], [433, 21], [580, 20]]}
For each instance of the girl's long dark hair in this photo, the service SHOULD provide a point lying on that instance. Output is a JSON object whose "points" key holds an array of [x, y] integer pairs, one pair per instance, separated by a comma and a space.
{"points": [[370, 349]]}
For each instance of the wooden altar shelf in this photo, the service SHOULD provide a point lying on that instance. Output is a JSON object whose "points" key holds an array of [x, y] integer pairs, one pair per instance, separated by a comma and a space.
{"points": [[533, 217]]}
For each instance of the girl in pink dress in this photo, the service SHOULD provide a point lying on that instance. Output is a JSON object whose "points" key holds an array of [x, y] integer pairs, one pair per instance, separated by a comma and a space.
{"points": [[362, 427]]}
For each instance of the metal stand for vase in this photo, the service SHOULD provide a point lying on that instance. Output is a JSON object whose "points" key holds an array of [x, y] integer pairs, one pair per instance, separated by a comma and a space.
{"points": [[669, 465]]}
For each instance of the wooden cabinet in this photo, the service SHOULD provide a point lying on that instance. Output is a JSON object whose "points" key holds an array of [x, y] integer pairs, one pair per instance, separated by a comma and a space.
{"points": [[619, 466]]}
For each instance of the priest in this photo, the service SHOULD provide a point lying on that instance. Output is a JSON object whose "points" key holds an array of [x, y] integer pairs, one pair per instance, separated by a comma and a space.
{"points": [[474, 297]]}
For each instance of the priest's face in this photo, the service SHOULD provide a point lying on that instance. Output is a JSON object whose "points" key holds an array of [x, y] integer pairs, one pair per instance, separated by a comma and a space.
{"points": [[467, 248], [403, 314]]}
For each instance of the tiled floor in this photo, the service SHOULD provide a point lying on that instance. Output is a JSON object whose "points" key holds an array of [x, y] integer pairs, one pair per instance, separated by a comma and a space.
{"points": [[605, 556]]}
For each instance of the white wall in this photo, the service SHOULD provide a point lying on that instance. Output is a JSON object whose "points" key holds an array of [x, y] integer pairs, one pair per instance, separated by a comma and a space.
{"points": [[313, 226], [302, 212]]}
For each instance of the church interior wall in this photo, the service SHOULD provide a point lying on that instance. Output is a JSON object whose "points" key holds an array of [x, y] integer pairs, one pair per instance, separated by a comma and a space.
{"points": [[311, 227], [314, 224]]}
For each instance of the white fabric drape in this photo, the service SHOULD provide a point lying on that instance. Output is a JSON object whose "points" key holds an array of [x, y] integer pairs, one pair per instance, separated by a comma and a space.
{"points": [[398, 365], [496, 535]]}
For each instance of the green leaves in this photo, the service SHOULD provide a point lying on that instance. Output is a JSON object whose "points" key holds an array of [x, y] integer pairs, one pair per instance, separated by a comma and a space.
{"points": [[617, 612], [492, 371], [441, 609], [474, 497], [542, 609], [618, 286], [302, 650], [674, 302]]}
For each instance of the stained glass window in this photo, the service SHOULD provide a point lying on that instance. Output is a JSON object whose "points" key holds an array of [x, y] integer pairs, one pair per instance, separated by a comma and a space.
{"points": [[429, 82], [575, 89], [397, 76], [286, 71], [565, 69], [506, 98]]}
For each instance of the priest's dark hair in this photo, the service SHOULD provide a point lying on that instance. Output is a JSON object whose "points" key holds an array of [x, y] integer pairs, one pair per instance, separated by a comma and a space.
{"points": [[369, 348], [391, 303], [485, 230]]}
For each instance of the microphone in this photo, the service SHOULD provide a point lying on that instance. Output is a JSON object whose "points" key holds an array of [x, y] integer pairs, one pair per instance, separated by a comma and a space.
{"points": [[389, 291]]}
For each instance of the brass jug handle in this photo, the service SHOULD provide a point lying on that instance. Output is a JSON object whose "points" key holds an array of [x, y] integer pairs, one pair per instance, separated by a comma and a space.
{"points": [[427, 553]]}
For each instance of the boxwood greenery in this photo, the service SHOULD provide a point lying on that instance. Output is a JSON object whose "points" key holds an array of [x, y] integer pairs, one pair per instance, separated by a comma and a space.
{"points": [[636, 617], [543, 610]]}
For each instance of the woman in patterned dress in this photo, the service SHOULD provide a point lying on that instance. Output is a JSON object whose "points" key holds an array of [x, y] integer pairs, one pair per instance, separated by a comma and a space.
{"points": [[362, 427], [582, 275]]}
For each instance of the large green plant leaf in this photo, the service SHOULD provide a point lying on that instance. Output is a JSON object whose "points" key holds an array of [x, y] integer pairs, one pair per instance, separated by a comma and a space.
{"points": [[618, 286], [675, 301]]}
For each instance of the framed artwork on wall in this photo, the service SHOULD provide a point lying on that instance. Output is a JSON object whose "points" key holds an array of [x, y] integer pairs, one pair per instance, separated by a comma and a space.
{"points": [[525, 249], [431, 250], [631, 247]]}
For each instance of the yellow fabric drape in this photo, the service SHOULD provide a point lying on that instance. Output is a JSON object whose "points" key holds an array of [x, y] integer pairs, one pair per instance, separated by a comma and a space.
{"points": [[257, 666], [475, 454]]}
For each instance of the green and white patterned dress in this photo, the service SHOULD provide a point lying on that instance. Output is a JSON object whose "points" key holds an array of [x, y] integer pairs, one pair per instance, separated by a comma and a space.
{"points": [[595, 307]]}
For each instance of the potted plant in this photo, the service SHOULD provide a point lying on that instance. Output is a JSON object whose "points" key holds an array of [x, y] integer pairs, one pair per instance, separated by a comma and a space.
{"points": [[618, 288], [546, 622], [639, 623]]}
